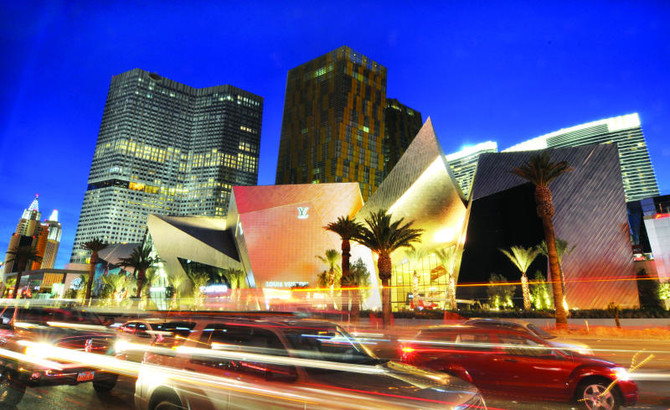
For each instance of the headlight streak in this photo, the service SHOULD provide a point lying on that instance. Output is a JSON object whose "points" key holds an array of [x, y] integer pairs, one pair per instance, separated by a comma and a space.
{"points": [[80, 326], [286, 361], [20, 357]]}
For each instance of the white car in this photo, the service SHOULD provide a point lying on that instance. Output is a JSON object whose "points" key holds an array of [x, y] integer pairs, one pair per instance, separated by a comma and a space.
{"points": [[283, 362], [136, 336]]}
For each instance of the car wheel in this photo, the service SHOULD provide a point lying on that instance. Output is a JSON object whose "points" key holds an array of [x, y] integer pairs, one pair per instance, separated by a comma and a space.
{"points": [[11, 390], [594, 395], [168, 402], [103, 386]]}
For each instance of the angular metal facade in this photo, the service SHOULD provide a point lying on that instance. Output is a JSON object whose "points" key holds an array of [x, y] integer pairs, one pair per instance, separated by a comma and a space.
{"points": [[590, 215], [279, 229], [421, 188]]}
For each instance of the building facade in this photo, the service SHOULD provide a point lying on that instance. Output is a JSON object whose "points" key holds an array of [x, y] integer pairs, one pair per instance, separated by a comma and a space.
{"points": [[401, 125], [637, 172], [44, 237], [333, 123], [649, 221], [590, 216], [168, 149], [464, 163]]}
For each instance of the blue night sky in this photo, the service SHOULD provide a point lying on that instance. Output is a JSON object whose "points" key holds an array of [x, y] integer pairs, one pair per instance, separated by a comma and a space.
{"points": [[504, 71]]}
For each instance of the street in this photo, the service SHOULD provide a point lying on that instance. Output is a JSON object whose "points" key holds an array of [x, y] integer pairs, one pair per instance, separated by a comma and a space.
{"points": [[653, 379]]}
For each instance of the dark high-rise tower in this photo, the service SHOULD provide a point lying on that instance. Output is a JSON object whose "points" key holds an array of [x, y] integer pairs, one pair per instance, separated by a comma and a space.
{"points": [[402, 125], [333, 125], [169, 149]]}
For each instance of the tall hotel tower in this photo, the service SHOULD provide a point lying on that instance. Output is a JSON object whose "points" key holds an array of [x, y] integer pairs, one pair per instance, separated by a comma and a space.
{"points": [[169, 149], [463, 163], [401, 124], [333, 124], [637, 172], [44, 237]]}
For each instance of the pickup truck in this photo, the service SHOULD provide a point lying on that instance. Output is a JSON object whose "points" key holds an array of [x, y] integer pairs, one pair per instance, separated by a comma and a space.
{"points": [[27, 334]]}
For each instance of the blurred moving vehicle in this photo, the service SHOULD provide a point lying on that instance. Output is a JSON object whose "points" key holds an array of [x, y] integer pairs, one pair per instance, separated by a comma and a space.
{"points": [[502, 361], [135, 336], [27, 333], [524, 325], [284, 362]]}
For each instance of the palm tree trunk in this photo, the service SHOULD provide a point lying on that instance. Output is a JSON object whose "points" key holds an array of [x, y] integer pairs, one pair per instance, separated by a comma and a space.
{"points": [[21, 265], [140, 282], [452, 292], [16, 294], [355, 296], [556, 280], [346, 273], [91, 275], [525, 290], [384, 266]]}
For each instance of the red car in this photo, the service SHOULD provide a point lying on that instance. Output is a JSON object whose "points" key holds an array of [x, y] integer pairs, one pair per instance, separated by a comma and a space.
{"points": [[507, 362]]}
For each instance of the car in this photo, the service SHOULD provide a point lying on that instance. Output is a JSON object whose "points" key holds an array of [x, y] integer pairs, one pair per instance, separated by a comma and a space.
{"points": [[135, 336], [502, 361], [26, 333], [285, 362], [537, 331]]}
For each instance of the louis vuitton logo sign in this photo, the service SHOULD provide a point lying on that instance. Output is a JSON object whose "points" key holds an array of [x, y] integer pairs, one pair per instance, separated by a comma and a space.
{"points": [[302, 212]]}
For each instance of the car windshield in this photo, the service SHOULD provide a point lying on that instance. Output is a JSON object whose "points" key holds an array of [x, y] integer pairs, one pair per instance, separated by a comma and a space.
{"points": [[331, 344], [540, 332]]}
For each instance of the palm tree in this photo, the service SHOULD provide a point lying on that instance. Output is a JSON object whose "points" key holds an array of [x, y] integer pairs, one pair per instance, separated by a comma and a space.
{"points": [[562, 249], [198, 281], [95, 245], [346, 228], [383, 237], [176, 282], [116, 282], [447, 258], [522, 258], [330, 259], [540, 171], [237, 279], [414, 257], [140, 260], [22, 255]]}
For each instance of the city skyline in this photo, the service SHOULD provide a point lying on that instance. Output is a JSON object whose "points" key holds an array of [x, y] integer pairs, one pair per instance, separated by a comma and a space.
{"points": [[505, 72]]}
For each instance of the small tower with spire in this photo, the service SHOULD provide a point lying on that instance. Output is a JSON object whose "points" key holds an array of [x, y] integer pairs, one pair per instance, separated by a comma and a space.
{"points": [[30, 231]]}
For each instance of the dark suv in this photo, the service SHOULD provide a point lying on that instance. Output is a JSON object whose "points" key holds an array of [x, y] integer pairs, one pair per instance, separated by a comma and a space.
{"points": [[26, 334], [506, 362]]}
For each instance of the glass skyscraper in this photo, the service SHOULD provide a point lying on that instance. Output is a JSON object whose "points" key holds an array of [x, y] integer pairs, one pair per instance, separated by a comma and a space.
{"points": [[463, 163], [333, 124], [169, 149], [401, 124], [637, 172]]}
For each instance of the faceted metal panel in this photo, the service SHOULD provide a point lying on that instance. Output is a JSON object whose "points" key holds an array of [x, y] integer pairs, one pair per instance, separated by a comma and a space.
{"points": [[279, 229], [590, 215], [200, 239], [421, 188]]}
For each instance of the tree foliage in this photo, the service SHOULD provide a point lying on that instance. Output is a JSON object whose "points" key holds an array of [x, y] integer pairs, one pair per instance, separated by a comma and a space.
{"points": [[499, 292]]}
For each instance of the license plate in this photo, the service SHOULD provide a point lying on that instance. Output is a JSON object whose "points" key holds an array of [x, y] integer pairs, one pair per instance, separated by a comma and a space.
{"points": [[85, 376]]}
